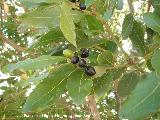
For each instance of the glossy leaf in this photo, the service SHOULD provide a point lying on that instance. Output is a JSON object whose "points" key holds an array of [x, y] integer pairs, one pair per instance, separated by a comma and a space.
{"points": [[155, 60], [78, 86], [100, 70], [49, 90], [37, 78], [55, 35], [119, 5], [127, 26], [149, 65], [144, 100], [152, 21], [105, 58], [32, 3], [101, 6], [101, 85], [127, 84], [85, 43], [94, 24], [38, 17], [89, 2], [77, 16], [66, 24], [33, 64], [108, 14], [137, 38], [156, 5], [109, 45], [58, 50]]}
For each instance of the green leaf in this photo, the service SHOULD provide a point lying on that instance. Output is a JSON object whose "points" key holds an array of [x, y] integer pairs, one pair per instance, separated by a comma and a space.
{"points": [[3, 87], [66, 24], [100, 70], [100, 6], [152, 21], [117, 72], [49, 90], [108, 14], [109, 45], [89, 2], [86, 43], [144, 100], [149, 65], [77, 16], [37, 78], [78, 86], [55, 35], [127, 83], [156, 5], [155, 60], [137, 38], [101, 85], [31, 3], [119, 5], [94, 24], [58, 50], [33, 64], [92, 58], [42, 17], [105, 58], [127, 26]]}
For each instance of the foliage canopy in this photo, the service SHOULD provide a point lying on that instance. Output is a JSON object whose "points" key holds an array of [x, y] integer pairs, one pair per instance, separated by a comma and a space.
{"points": [[38, 39]]}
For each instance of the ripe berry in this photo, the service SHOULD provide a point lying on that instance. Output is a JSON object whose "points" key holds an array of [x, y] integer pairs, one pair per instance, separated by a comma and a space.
{"points": [[75, 59], [82, 63], [82, 6], [84, 53], [90, 71]]}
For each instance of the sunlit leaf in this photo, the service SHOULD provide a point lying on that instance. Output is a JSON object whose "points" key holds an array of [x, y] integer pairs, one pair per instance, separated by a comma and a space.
{"points": [[78, 86], [66, 24], [49, 90], [144, 100], [33, 64]]}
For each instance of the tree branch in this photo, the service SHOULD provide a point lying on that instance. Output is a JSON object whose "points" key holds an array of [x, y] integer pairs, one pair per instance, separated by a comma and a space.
{"points": [[130, 4], [118, 102], [93, 107], [149, 5]]}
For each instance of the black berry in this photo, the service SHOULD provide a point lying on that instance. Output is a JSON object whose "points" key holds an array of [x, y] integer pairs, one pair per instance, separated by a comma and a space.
{"points": [[84, 53], [82, 63], [82, 6], [90, 71], [75, 59]]}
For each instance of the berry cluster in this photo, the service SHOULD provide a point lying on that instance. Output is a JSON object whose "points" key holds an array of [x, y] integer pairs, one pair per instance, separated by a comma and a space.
{"points": [[89, 70], [82, 6]]}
